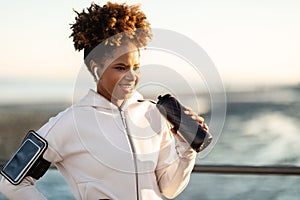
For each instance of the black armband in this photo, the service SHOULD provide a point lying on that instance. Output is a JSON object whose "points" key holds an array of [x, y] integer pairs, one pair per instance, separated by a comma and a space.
{"points": [[28, 160]]}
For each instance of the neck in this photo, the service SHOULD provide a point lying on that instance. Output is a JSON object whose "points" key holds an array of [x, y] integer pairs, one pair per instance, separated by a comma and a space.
{"points": [[115, 101], [118, 102]]}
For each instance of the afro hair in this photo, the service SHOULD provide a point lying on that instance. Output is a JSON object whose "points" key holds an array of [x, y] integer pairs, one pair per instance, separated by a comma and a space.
{"points": [[104, 25]]}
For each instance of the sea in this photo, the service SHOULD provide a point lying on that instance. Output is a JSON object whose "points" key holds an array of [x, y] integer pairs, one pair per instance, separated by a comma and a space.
{"points": [[261, 128]]}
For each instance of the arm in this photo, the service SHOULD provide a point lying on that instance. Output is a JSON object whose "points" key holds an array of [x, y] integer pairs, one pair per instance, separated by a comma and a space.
{"points": [[175, 164], [26, 189]]}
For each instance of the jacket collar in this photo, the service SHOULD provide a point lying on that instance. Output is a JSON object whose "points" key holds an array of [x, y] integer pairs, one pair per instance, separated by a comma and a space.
{"points": [[95, 99]]}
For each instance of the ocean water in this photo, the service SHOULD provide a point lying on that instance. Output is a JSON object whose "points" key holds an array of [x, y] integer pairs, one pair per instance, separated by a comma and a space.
{"points": [[261, 128]]}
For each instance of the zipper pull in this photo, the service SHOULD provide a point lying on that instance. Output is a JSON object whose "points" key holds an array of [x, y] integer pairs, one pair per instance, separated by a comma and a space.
{"points": [[123, 118]]}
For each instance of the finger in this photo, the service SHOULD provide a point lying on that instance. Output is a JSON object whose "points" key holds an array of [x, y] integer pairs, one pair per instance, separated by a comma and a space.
{"points": [[195, 118], [173, 131], [205, 126], [194, 115], [200, 120], [188, 110]]}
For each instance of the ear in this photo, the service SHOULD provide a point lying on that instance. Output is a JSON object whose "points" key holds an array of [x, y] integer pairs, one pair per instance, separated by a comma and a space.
{"points": [[93, 64], [94, 69]]}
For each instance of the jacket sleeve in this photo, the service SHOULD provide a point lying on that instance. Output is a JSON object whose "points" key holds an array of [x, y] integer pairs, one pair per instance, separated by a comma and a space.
{"points": [[25, 190], [175, 164]]}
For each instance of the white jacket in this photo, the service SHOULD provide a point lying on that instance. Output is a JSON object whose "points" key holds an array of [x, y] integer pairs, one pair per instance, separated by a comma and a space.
{"points": [[104, 152]]}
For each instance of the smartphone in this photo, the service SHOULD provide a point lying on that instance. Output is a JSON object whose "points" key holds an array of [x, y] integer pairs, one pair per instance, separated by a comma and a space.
{"points": [[32, 147]]}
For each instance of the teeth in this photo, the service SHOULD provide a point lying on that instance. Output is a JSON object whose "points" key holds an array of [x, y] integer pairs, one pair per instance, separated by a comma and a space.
{"points": [[127, 86]]}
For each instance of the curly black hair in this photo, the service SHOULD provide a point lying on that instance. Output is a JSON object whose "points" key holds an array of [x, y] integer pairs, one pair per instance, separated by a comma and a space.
{"points": [[103, 24]]}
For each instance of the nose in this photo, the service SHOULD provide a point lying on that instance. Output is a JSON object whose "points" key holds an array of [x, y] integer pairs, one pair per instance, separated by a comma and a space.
{"points": [[131, 75]]}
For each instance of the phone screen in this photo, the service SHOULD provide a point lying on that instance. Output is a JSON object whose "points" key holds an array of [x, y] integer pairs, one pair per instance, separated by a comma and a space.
{"points": [[21, 160]]}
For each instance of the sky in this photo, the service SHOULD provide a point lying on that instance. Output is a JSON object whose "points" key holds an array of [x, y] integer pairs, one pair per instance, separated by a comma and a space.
{"points": [[250, 42]]}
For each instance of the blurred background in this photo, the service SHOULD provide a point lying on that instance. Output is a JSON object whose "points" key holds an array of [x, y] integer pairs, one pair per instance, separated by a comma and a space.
{"points": [[255, 46]]}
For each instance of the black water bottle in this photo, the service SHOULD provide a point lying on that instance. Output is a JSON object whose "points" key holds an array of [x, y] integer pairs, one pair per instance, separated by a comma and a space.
{"points": [[189, 129]]}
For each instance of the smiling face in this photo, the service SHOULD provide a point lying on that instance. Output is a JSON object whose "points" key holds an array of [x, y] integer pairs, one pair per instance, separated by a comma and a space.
{"points": [[120, 78]]}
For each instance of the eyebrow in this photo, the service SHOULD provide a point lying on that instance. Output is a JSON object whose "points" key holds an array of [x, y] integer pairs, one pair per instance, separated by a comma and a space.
{"points": [[137, 64]]}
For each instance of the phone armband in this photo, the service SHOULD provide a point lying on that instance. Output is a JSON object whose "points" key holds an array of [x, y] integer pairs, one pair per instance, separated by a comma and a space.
{"points": [[28, 160]]}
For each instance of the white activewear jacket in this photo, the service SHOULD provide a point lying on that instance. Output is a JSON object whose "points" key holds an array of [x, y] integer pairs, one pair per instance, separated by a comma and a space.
{"points": [[106, 152]]}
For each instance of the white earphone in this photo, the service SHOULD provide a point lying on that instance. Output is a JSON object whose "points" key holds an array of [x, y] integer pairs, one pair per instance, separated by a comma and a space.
{"points": [[96, 73]]}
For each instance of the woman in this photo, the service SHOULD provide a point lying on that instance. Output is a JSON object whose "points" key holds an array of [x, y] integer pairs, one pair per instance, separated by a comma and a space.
{"points": [[109, 145]]}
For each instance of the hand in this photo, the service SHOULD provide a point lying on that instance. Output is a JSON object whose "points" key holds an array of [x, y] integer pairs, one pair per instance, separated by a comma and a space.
{"points": [[196, 117]]}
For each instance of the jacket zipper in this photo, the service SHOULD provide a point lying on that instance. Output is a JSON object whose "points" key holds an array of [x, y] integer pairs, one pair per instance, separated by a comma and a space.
{"points": [[132, 150]]}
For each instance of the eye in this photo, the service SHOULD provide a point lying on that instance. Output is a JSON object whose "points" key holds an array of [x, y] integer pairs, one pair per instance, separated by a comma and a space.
{"points": [[120, 68], [136, 68]]}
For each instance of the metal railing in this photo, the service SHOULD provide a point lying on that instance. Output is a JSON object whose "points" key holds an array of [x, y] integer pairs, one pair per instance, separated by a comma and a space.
{"points": [[238, 169], [247, 170]]}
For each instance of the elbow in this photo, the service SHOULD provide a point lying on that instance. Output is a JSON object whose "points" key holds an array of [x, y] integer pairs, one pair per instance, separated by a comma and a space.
{"points": [[15, 191], [171, 193], [5, 187]]}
